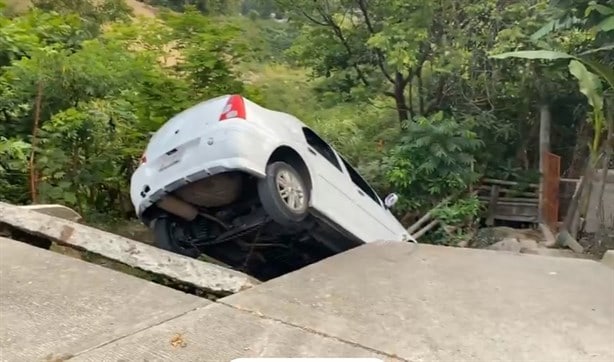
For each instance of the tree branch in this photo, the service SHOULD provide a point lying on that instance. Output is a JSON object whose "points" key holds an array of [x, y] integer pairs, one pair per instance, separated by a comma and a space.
{"points": [[312, 19], [389, 94], [328, 21], [380, 56]]}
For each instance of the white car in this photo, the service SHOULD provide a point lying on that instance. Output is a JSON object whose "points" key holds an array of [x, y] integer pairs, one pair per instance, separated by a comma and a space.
{"points": [[254, 189]]}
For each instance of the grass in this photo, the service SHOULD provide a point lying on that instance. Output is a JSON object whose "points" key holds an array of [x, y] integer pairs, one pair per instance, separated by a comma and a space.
{"points": [[281, 87]]}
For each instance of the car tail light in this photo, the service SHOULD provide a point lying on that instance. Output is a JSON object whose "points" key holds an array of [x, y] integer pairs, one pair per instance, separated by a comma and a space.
{"points": [[235, 108]]}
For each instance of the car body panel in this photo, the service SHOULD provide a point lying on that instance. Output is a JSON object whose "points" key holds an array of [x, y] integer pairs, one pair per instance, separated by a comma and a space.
{"points": [[195, 144]]}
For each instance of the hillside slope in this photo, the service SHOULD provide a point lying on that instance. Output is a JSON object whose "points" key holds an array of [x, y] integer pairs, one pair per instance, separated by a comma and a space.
{"points": [[139, 8]]}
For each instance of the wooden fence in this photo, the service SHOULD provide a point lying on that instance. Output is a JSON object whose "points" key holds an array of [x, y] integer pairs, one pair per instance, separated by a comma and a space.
{"points": [[509, 200]]}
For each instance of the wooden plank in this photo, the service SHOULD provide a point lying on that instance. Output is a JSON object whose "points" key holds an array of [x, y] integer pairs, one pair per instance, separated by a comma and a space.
{"points": [[509, 191], [508, 183], [425, 229], [426, 217], [518, 218], [511, 199], [518, 203], [570, 180], [205, 276]]}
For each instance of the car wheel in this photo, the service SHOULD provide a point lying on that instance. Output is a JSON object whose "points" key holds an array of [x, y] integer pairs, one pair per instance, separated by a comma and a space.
{"points": [[284, 194], [171, 234]]}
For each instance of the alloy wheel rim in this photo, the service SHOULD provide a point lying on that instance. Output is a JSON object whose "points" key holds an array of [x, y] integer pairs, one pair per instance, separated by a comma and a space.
{"points": [[290, 190]]}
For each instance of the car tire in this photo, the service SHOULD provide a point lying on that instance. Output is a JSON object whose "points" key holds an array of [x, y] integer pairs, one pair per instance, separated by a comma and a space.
{"points": [[165, 237], [284, 194]]}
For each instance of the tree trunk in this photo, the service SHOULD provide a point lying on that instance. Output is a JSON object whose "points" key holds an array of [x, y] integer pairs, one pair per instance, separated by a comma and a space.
{"points": [[410, 94], [34, 143], [606, 164], [580, 150], [544, 147], [399, 97], [420, 90]]}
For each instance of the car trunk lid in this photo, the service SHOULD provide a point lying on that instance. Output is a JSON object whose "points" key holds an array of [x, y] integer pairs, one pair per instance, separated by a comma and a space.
{"points": [[184, 128]]}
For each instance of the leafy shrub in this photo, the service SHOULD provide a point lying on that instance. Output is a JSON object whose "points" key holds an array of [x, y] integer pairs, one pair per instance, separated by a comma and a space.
{"points": [[434, 158]]}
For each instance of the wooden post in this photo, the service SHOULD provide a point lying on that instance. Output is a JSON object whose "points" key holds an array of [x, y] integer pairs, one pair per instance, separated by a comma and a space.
{"points": [[492, 205]]}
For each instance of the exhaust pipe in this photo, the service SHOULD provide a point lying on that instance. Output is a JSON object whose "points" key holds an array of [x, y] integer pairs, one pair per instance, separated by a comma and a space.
{"points": [[178, 207]]}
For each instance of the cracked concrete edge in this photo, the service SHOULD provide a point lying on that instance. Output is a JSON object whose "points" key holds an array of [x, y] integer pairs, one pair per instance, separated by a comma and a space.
{"points": [[608, 259], [211, 278]]}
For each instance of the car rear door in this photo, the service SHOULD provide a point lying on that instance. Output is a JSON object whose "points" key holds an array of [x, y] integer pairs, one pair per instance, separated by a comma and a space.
{"points": [[329, 195], [377, 221]]}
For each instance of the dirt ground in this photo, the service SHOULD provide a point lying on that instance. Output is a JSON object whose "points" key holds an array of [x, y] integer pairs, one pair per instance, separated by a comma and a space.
{"points": [[598, 243]]}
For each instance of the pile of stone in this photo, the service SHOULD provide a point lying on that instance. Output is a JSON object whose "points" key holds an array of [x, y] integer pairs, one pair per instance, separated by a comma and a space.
{"points": [[525, 241]]}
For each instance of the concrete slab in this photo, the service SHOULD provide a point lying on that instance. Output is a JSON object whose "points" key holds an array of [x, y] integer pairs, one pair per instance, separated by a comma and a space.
{"points": [[219, 333], [207, 277], [430, 303], [54, 305]]}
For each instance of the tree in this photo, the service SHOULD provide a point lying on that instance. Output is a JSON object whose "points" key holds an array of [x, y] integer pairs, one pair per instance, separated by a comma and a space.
{"points": [[589, 83], [81, 106]]}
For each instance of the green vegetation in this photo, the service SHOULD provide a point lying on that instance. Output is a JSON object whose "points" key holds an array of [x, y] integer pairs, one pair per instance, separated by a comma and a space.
{"points": [[423, 97]]}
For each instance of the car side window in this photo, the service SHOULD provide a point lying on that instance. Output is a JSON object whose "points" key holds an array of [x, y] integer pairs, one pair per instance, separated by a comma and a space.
{"points": [[321, 147], [360, 182]]}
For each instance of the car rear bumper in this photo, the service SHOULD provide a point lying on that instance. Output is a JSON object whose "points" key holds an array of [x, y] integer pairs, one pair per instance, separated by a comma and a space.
{"points": [[229, 147]]}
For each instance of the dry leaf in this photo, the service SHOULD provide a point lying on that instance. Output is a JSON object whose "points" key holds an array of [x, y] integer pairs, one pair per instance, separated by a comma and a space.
{"points": [[177, 341]]}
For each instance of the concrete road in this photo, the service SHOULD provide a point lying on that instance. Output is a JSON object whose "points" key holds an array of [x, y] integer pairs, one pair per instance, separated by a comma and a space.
{"points": [[54, 305], [432, 303], [56, 308], [393, 302]]}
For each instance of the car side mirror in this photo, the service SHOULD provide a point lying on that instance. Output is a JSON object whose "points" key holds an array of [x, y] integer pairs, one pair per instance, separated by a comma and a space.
{"points": [[390, 200]]}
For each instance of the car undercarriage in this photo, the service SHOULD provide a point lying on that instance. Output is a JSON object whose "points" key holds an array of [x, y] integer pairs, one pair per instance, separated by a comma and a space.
{"points": [[221, 219]]}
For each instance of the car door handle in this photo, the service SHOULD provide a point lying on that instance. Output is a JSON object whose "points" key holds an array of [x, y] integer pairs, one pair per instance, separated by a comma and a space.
{"points": [[312, 151], [361, 193]]}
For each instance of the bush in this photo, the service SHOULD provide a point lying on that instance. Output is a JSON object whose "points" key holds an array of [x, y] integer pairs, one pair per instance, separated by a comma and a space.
{"points": [[435, 158]]}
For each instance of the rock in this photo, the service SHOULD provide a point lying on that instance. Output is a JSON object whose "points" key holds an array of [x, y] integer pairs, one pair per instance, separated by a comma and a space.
{"points": [[565, 238], [488, 236], [527, 244], [508, 244]]}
